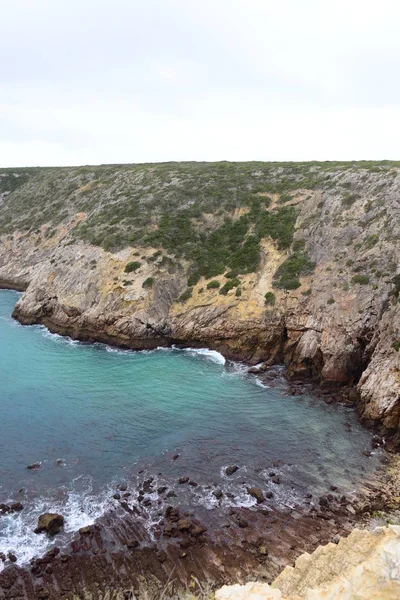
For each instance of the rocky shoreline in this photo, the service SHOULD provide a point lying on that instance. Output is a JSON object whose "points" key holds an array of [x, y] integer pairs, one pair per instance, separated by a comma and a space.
{"points": [[120, 556]]}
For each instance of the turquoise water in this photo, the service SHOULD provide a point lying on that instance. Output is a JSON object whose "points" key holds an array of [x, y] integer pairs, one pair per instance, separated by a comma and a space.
{"points": [[108, 413]]}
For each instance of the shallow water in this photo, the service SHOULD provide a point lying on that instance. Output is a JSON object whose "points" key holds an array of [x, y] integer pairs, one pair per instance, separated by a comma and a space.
{"points": [[108, 414]]}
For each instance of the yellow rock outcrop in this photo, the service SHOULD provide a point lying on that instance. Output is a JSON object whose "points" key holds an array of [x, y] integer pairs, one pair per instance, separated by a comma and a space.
{"points": [[363, 566]]}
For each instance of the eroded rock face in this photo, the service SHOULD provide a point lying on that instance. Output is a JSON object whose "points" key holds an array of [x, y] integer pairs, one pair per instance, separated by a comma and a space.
{"points": [[340, 327], [363, 565]]}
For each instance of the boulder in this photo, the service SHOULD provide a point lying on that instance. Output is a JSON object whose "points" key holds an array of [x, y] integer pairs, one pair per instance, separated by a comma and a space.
{"points": [[16, 506], [218, 494], [183, 480], [50, 523], [231, 470], [256, 493]]}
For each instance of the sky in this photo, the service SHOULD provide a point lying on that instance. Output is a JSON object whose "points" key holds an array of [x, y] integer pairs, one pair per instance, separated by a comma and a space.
{"points": [[123, 81]]}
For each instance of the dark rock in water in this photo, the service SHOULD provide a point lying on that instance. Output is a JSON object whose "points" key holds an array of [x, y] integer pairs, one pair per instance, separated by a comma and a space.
{"points": [[333, 488], [34, 466], [193, 483], [265, 512], [254, 370], [50, 523], [269, 494], [5, 508], [231, 470], [162, 489], [323, 501], [122, 487], [183, 480], [146, 502], [218, 494], [127, 494], [12, 557], [309, 495], [16, 506], [256, 493], [117, 496], [276, 479], [148, 485], [366, 453], [131, 544], [175, 456], [59, 462], [140, 498], [2, 556], [271, 474], [171, 494]]}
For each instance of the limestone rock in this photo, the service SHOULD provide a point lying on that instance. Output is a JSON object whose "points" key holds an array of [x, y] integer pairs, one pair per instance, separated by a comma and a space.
{"points": [[365, 565]]}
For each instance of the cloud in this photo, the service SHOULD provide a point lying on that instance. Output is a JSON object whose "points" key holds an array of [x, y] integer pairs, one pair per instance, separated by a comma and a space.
{"points": [[93, 82]]}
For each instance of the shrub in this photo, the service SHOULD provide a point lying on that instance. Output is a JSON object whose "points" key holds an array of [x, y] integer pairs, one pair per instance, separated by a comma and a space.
{"points": [[349, 199], [306, 292], [238, 292], [269, 299], [147, 283], [132, 266], [193, 279], [360, 279], [186, 295], [396, 345], [213, 284], [287, 275], [331, 301], [229, 285]]}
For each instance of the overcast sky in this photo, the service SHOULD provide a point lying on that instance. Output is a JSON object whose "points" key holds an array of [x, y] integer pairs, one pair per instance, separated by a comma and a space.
{"points": [[94, 81]]}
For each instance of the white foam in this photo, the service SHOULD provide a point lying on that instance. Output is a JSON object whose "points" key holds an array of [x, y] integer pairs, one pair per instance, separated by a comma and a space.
{"points": [[212, 355], [79, 508]]}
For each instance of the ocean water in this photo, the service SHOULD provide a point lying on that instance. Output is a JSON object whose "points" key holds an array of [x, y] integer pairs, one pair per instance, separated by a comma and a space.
{"points": [[94, 416]]}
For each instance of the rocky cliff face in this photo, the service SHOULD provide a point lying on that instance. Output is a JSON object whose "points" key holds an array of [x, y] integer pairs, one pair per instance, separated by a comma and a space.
{"points": [[292, 263], [363, 565]]}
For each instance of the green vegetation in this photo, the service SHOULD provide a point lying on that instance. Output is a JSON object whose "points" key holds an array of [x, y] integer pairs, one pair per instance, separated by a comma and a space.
{"points": [[269, 299], [132, 266], [360, 279], [287, 275], [148, 283], [396, 345], [229, 285], [349, 199], [186, 295], [213, 284], [204, 219], [331, 301]]}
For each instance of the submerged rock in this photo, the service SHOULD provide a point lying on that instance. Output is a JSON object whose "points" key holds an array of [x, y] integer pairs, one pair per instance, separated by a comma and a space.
{"points": [[34, 466], [231, 470], [50, 523]]}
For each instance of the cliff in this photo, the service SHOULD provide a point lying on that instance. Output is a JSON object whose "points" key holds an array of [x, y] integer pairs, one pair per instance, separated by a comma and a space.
{"points": [[365, 565], [264, 262]]}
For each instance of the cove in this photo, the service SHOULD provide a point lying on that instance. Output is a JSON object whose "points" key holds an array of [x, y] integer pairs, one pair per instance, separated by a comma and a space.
{"points": [[93, 416]]}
